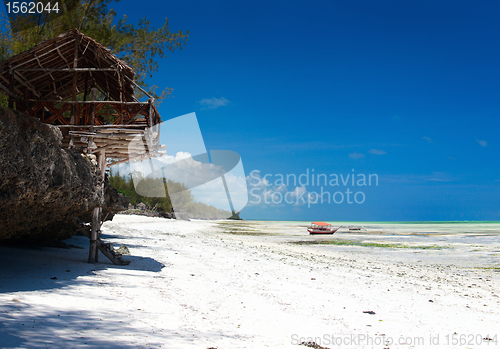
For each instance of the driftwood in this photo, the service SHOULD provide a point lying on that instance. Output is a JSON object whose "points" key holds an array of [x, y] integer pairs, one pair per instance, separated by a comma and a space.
{"points": [[104, 247]]}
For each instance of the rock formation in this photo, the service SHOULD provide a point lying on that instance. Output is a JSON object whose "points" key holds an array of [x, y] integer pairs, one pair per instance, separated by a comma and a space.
{"points": [[44, 186]]}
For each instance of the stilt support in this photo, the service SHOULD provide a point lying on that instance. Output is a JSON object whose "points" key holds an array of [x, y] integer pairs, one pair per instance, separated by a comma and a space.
{"points": [[96, 226], [105, 248]]}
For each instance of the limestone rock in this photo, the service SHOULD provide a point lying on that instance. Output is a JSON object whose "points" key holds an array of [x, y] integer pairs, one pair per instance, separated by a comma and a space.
{"points": [[44, 186]]}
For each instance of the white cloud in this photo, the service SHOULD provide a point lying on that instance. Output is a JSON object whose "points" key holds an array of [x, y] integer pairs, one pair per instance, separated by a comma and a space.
{"points": [[377, 152], [262, 193], [421, 178], [482, 143], [197, 176], [214, 103], [427, 139], [214, 194], [356, 155]]}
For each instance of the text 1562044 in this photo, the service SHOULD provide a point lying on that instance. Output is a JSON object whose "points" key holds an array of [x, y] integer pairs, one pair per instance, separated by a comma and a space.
{"points": [[31, 7]]}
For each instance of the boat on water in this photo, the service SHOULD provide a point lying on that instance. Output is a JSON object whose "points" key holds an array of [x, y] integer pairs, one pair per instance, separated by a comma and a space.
{"points": [[321, 228]]}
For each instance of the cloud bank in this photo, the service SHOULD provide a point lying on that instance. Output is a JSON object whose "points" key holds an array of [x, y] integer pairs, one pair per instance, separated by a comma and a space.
{"points": [[214, 103]]}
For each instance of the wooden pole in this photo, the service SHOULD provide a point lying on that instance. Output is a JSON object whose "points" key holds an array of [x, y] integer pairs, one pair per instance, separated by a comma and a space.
{"points": [[86, 114], [11, 101], [98, 234], [107, 110], [96, 215], [92, 119], [151, 100], [73, 107], [102, 165], [121, 96], [93, 235]]}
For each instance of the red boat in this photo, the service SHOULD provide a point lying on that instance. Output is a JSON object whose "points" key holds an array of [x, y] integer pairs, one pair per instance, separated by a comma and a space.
{"points": [[321, 228]]}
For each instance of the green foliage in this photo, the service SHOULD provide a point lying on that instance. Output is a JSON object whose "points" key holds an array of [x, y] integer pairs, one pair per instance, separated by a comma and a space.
{"points": [[151, 186], [369, 244], [139, 46]]}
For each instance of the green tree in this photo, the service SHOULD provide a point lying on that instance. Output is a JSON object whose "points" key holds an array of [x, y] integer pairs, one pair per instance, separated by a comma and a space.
{"points": [[138, 45], [185, 201]]}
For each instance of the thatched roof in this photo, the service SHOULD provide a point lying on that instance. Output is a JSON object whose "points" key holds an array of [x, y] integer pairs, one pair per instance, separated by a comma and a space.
{"points": [[23, 76], [45, 82]]}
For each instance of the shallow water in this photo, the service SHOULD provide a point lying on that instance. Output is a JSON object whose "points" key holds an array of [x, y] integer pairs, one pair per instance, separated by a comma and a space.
{"points": [[464, 244]]}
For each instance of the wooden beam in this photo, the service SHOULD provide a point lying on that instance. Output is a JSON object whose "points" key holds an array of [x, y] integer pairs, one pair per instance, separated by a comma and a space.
{"points": [[81, 102], [121, 97], [43, 54], [139, 87], [65, 69], [128, 159], [73, 108], [151, 100], [92, 117], [85, 98], [9, 92], [58, 114], [93, 234], [105, 126], [26, 84], [62, 57]]}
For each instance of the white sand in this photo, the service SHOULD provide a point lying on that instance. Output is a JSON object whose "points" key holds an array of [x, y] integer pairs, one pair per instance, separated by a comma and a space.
{"points": [[191, 286]]}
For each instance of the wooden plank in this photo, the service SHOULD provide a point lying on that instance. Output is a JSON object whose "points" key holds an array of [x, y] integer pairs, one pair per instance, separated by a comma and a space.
{"points": [[126, 160], [131, 127], [66, 69], [82, 102]]}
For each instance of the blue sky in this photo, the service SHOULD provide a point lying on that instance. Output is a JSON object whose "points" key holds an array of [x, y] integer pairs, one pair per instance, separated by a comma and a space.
{"points": [[407, 91], [404, 90]]}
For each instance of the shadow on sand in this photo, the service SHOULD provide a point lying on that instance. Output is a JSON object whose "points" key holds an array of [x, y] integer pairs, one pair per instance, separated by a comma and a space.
{"points": [[31, 269]]}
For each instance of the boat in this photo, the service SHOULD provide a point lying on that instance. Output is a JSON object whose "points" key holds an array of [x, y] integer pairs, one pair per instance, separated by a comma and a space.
{"points": [[321, 228], [351, 228]]}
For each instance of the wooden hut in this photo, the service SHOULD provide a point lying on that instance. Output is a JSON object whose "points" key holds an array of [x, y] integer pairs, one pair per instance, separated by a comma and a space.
{"points": [[78, 85]]}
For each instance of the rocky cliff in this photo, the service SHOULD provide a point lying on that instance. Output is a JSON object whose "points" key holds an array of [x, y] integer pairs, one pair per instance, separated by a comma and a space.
{"points": [[44, 186]]}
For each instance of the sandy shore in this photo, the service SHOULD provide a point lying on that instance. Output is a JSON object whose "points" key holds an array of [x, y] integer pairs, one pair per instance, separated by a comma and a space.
{"points": [[192, 286]]}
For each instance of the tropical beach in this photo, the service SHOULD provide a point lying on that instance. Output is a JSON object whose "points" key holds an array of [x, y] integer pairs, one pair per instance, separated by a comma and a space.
{"points": [[228, 174], [255, 284]]}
